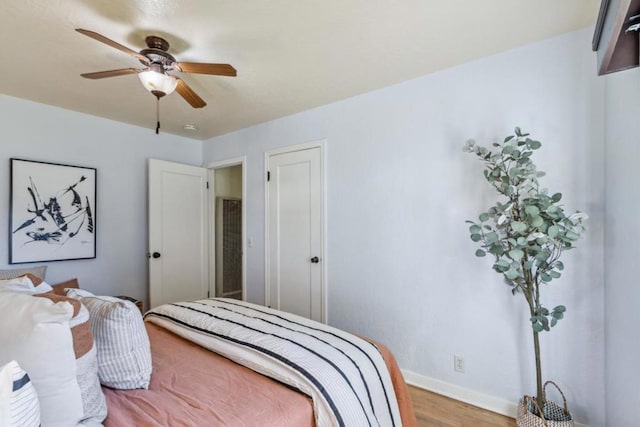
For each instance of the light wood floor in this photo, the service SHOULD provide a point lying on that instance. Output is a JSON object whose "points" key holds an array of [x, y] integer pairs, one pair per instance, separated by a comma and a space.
{"points": [[434, 410]]}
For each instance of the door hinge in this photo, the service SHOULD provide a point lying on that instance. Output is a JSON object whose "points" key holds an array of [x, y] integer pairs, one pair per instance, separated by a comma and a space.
{"points": [[268, 176]]}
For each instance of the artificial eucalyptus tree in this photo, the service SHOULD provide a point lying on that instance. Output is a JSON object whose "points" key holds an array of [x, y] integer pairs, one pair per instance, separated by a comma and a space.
{"points": [[526, 232]]}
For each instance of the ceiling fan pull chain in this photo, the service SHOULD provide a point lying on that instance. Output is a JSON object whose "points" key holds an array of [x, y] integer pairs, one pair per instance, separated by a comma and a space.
{"points": [[158, 115]]}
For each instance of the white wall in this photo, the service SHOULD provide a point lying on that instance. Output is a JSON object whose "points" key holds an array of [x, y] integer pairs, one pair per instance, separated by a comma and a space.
{"points": [[622, 294], [401, 267], [119, 152]]}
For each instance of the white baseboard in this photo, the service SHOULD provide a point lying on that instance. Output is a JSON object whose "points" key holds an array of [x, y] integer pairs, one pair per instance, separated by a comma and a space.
{"points": [[472, 397]]}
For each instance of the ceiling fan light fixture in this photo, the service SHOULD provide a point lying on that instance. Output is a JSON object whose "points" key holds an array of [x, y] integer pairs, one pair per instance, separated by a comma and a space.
{"points": [[159, 84]]}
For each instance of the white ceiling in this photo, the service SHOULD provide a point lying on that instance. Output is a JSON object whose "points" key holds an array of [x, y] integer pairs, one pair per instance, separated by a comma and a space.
{"points": [[291, 55]]}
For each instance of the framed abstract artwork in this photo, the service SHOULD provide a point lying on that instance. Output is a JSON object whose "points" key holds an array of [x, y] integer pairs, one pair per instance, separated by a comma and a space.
{"points": [[53, 212]]}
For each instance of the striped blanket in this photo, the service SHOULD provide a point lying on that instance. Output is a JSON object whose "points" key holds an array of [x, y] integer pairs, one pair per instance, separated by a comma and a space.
{"points": [[344, 375]]}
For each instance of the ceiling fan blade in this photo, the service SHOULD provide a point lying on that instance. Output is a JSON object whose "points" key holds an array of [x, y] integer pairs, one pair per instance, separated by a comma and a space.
{"points": [[111, 73], [189, 95], [111, 43], [203, 68]]}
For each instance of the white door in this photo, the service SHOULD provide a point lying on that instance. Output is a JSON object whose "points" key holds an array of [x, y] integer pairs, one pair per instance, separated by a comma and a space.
{"points": [[178, 239], [295, 232]]}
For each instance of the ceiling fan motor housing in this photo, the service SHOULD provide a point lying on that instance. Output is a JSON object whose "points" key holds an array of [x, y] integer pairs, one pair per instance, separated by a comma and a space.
{"points": [[157, 52]]}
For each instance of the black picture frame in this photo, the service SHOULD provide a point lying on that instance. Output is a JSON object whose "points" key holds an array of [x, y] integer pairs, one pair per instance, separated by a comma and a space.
{"points": [[52, 212]]}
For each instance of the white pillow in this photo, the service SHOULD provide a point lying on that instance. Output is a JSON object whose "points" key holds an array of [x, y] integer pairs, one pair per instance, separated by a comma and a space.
{"points": [[93, 401], [124, 353], [36, 332], [18, 399], [24, 285]]}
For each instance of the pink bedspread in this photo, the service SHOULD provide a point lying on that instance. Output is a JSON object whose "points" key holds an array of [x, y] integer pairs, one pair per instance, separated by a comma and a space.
{"points": [[191, 386]]}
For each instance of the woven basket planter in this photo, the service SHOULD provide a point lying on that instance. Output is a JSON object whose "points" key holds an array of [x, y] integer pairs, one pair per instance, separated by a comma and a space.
{"points": [[552, 415]]}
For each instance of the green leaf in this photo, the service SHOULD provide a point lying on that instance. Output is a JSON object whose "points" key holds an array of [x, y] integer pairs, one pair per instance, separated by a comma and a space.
{"points": [[491, 237], [541, 240], [553, 322], [556, 197], [512, 274], [534, 145], [545, 277], [542, 255], [572, 236], [536, 221], [516, 254], [554, 274], [518, 226], [513, 172], [559, 266], [532, 210], [496, 249], [537, 327], [480, 253], [476, 237], [475, 229], [484, 216], [560, 309], [503, 264], [518, 131], [553, 231]]}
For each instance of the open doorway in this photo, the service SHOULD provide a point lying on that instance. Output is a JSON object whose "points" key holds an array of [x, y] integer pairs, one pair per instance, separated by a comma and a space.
{"points": [[227, 277]]}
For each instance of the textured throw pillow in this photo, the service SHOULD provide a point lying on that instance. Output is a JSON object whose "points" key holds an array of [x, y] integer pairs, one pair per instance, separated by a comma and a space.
{"points": [[38, 271], [35, 331], [93, 401], [124, 354], [18, 399]]}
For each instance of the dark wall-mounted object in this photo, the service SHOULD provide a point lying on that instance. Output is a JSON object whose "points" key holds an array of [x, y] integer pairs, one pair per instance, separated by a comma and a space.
{"points": [[617, 49]]}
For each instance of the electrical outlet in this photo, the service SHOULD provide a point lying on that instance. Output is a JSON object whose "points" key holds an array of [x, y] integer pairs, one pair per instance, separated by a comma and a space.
{"points": [[458, 363]]}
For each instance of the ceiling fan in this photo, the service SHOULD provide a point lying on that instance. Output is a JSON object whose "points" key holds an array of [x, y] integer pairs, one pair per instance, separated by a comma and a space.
{"points": [[155, 77]]}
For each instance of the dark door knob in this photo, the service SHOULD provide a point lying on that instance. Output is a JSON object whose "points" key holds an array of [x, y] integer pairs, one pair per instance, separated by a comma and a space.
{"points": [[315, 260], [156, 255]]}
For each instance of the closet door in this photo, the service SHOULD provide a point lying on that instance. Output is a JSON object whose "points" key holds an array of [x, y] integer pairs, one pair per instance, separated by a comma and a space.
{"points": [[295, 238]]}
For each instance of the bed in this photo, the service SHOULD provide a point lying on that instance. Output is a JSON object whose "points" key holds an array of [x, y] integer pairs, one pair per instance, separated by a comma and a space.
{"points": [[193, 386], [211, 362]]}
